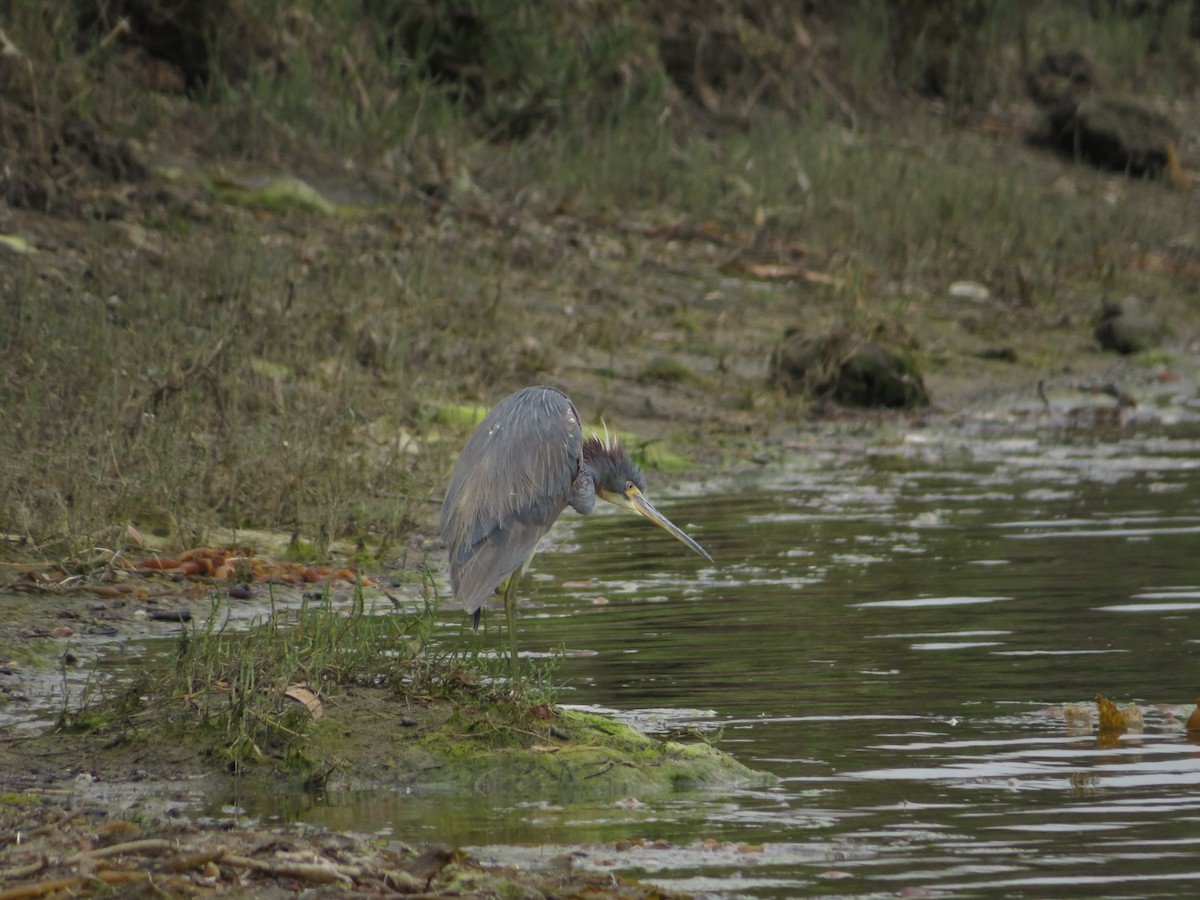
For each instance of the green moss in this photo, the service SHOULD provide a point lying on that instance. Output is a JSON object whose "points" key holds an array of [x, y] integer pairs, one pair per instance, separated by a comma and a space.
{"points": [[662, 458], [1157, 357], [656, 455], [286, 194], [10, 798], [35, 654], [424, 723], [301, 552], [84, 722], [581, 754], [670, 371], [460, 416], [17, 244]]}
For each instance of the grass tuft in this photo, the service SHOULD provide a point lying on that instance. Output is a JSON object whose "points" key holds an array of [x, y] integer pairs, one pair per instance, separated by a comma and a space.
{"points": [[233, 684], [242, 690]]}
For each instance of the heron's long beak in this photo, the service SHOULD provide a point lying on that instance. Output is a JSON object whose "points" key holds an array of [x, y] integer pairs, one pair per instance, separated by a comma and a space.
{"points": [[637, 502]]}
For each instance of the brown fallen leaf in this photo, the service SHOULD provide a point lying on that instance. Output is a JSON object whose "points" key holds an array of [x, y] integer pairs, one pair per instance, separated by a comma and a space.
{"points": [[301, 694], [785, 272], [110, 590], [1162, 264], [1178, 177], [158, 562], [824, 278], [186, 862], [772, 271]]}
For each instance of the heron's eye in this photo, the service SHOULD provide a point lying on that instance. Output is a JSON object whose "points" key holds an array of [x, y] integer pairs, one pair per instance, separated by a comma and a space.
{"points": [[629, 486]]}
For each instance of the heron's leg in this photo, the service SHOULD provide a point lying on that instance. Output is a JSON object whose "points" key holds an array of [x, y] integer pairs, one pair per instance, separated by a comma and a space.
{"points": [[510, 610]]}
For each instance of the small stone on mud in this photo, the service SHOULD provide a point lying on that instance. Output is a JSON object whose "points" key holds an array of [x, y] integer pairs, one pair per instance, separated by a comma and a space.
{"points": [[970, 290], [1001, 354], [170, 615]]}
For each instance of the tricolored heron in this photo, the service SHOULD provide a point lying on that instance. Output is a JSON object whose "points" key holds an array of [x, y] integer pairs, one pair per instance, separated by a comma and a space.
{"points": [[526, 462]]}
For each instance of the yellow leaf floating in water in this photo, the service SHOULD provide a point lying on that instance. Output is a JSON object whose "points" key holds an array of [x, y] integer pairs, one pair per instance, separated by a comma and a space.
{"points": [[1079, 716], [1134, 719], [1111, 720], [1193, 722]]}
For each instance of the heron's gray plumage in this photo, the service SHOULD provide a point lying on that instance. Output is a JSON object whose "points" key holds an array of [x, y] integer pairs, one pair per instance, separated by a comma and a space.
{"points": [[527, 462], [520, 469]]}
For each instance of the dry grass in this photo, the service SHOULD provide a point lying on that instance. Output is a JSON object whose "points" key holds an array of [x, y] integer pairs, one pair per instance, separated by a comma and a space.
{"points": [[181, 363]]}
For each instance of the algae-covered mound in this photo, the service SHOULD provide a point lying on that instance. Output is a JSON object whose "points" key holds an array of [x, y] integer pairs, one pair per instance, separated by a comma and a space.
{"points": [[376, 738], [332, 695], [587, 754], [505, 747]]}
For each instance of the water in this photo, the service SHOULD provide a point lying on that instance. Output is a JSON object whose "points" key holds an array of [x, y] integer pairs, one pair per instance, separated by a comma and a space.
{"points": [[907, 637]]}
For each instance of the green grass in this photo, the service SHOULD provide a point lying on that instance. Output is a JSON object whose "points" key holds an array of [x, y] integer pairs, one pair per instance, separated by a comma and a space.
{"points": [[233, 688], [158, 410], [229, 685]]}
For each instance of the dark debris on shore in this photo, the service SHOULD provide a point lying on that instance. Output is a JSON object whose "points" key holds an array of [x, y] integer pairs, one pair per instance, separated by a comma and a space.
{"points": [[52, 849]]}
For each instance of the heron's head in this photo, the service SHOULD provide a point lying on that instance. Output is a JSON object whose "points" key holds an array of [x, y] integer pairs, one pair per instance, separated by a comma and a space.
{"points": [[619, 480]]}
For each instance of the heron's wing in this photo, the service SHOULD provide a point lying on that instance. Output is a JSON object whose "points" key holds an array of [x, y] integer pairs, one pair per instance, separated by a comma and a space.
{"points": [[511, 482]]}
